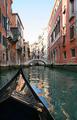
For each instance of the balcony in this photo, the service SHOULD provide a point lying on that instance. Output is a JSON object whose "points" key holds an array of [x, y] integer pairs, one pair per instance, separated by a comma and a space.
{"points": [[16, 33], [9, 35]]}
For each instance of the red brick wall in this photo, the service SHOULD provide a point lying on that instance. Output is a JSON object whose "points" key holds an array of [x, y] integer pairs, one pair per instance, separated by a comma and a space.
{"points": [[59, 43], [3, 11], [56, 44], [13, 20]]}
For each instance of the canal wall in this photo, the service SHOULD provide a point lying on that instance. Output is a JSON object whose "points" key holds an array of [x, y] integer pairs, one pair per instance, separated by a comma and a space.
{"points": [[70, 67], [9, 67]]}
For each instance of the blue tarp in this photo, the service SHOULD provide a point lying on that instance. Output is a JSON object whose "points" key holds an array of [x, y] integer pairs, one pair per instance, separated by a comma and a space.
{"points": [[42, 98]]}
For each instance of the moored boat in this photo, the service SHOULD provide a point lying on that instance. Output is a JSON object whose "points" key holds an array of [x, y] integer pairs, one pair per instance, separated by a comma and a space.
{"points": [[19, 101]]}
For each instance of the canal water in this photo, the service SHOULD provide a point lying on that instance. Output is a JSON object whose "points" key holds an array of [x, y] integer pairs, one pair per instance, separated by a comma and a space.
{"points": [[59, 88], [6, 75]]}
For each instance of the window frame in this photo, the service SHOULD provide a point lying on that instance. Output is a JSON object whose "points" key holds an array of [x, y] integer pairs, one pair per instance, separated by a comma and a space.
{"points": [[65, 55], [72, 32], [73, 55]]}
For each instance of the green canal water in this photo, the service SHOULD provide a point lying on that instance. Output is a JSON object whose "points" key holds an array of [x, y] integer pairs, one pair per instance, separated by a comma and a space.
{"points": [[59, 88]]}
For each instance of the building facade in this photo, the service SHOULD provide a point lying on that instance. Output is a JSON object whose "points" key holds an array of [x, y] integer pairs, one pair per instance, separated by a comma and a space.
{"points": [[34, 50], [17, 31], [42, 45], [62, 33], [5, 15], [38, 50], [26, 51], [11, 35]]}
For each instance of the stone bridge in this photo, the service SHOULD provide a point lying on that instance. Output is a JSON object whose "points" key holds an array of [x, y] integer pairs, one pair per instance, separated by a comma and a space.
{"points": [[35, 61]]}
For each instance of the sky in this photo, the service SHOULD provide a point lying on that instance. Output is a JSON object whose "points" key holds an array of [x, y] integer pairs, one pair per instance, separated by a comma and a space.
{"points": [[35, 15]]}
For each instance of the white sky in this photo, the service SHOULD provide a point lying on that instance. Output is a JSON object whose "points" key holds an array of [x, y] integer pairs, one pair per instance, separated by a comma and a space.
{"points": [[34, 15]]}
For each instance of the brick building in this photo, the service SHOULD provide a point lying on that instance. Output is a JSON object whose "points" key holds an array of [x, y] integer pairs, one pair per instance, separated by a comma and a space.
{"points": [[5, 14], [26, 51], [11, 35], [17, 31], [62, 33]]}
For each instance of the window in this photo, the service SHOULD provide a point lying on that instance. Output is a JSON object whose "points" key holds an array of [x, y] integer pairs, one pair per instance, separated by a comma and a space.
{"points": [[4, 41], [64, 54], [51, 55], [4, 22], [24, 54], [64, 37], [57, 28], [52, 37], [24, 49], [73, 52], [71, 8], [71, 32], [55, 54], [3, 56]]}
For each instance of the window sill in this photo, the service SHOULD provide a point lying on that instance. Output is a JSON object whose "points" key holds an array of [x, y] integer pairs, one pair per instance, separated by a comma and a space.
{"points": [[73, 58], [65, 59]]}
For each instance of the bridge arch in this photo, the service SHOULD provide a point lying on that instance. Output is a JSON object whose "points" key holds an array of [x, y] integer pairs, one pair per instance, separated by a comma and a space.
{"points": [[36, 60]]}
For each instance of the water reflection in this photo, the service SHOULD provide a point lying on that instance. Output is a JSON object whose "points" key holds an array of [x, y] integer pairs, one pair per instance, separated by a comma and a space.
{"points": [[59, 89], [6, 75], [24, 93], [40, 84]]}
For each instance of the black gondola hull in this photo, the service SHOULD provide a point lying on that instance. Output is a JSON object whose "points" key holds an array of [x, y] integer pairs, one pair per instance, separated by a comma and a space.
{"points": [[14, 106], [12, 109]]}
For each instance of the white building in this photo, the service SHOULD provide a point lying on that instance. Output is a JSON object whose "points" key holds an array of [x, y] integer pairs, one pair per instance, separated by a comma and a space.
{"points": [[42, 44]]}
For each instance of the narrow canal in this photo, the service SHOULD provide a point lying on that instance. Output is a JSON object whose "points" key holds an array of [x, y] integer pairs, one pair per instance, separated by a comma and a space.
{"points": [[59, 88]]}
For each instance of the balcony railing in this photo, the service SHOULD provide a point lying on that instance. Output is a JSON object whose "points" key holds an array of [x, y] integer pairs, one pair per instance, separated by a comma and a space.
{"points": [[9, 35], [16, 33]]}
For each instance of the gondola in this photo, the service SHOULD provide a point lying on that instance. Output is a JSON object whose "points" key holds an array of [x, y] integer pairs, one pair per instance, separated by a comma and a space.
{"points": [[19, 101]]}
